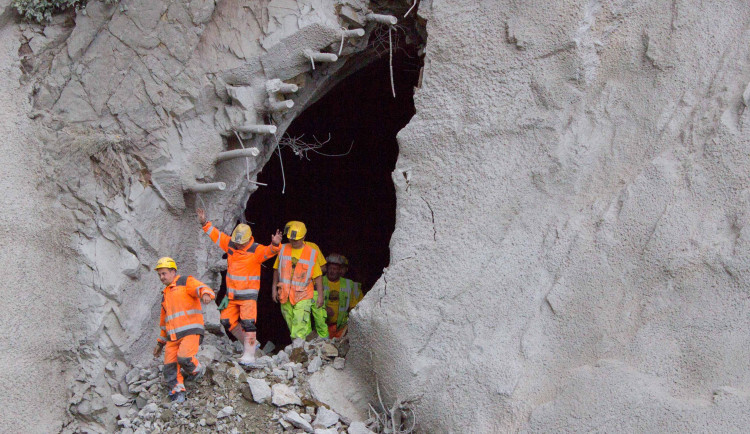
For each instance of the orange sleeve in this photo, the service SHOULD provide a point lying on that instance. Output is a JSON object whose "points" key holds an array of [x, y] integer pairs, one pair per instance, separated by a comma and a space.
{"points": [[162, 339], [196, 288], [218, 237], [264, 253]]}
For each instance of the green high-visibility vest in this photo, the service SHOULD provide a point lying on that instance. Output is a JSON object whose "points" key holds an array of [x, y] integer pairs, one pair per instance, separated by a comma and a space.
{"points": [[348, 291]]}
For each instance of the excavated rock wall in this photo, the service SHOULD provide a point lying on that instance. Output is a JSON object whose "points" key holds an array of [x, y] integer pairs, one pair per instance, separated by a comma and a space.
{"points": [[131, 103], [571, 249], [572, 246]]}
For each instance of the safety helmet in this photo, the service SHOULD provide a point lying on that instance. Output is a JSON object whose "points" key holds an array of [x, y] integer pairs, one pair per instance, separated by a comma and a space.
{"points": [[242, 234], [295, 230], [336, 258], [165, 262]]}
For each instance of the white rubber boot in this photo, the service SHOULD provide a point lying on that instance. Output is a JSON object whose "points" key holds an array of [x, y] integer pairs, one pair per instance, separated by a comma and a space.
{"points": [[248, 356]]}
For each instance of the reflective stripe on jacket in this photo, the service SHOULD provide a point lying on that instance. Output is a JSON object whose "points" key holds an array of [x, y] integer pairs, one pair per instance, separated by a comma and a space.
{"points": [[296, 278], [350, 292], [181, 310], [243, 265]]}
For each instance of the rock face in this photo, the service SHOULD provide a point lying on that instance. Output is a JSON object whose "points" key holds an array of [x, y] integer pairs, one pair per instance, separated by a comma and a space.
{"points": [[571, 248], [572, 245]]}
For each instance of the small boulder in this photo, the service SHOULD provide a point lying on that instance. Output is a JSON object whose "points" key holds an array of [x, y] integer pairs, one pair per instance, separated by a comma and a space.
{"points": [[359, 428], [314, 365], [224, 412], [260, 389], [339, 363], [284, 395], [120, 400], [295, 419], [329, 350], [325, 418]]}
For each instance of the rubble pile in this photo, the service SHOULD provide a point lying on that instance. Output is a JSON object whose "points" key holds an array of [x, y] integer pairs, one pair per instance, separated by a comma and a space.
{"points": [[231, 399]]}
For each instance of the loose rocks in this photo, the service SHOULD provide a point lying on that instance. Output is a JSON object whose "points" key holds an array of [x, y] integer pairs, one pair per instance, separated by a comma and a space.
{"points": [[260, 389], [284, 395]]}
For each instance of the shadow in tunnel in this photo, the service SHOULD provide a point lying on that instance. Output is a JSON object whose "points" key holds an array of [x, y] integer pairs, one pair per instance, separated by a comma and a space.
{"points": [[347, 201]]}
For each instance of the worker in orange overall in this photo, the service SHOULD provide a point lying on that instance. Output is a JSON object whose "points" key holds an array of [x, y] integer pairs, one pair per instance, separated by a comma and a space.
{"points": [[181, 324], [244, 257], [296, 277]]}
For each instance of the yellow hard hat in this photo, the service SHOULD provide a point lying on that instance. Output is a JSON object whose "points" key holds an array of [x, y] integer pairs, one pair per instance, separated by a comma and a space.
{"points": [[165, 262], [295, 230], [336, 258], [242, 234]]}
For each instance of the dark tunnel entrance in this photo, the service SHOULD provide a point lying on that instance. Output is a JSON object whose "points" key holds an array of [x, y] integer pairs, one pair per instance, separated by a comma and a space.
{"points": [[347, 202]]}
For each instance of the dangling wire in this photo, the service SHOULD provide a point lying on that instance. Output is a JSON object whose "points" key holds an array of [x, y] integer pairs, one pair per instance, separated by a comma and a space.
{"points": [[343, 32], [390, 59], [283, 178], [247, 163]]}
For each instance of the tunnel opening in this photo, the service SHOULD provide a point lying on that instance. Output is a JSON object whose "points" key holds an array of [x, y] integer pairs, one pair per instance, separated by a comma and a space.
{"points": [[343, 190]]}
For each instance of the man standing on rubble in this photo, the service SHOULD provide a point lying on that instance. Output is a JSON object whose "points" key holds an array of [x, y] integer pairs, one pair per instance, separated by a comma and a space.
{"points": [[244, 257], [296, 277], [181, 324], [341, 294]]}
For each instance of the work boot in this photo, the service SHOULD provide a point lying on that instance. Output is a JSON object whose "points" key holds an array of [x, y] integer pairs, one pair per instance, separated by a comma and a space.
{"points": [[248, 356], [197, 374], [178, 393], [178, 397]]}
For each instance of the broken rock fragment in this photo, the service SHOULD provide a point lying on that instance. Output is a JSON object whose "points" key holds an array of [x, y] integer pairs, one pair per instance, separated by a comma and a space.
{"points": [[260, 389], [295, 419], [325, 418], [284, 395]]}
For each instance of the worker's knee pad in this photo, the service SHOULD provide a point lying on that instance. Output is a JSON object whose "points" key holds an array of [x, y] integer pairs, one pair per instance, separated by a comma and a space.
{"points": [[170, 373], [248, 325], [187, 364]]}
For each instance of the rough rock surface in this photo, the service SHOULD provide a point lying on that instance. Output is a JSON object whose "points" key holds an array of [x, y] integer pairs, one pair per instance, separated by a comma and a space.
{"points": [[572, 246], [130, 105]]}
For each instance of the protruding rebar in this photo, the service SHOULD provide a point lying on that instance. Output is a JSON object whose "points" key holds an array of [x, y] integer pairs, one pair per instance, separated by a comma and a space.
{"points": [[354, 33], [257, 129], [236, 153], [321, 57], [280, 106], [382, 19], [276, 85], [207, 187]]}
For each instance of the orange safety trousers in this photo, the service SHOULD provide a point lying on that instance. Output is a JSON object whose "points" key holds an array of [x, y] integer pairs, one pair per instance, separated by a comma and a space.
{"points": [[179, 356], [334, 332], [244, 312]]}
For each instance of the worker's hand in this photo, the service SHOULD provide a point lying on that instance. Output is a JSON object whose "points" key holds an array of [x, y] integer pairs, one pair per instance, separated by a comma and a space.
{"points": [[275, 295], [224, 303], [206, 299], [201, 216], [276, 238], [321, 300], [157, 349]]}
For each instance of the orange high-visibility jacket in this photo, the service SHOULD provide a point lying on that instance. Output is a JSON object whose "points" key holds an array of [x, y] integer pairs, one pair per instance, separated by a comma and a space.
{"points": [[181, 311], [296, 279], [243, 266]]}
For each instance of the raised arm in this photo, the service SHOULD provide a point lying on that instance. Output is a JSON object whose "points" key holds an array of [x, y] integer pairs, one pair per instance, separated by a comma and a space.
{"points": [[218, 237], [264, 253]]}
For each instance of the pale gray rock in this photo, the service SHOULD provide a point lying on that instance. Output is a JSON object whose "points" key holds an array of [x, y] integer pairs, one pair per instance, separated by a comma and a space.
{"points": [[339, 363], [284, 395], [295, 419], [314, 365], [260, 389], [225, 412], [358, 428], [120, 400], [325, 418]]}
